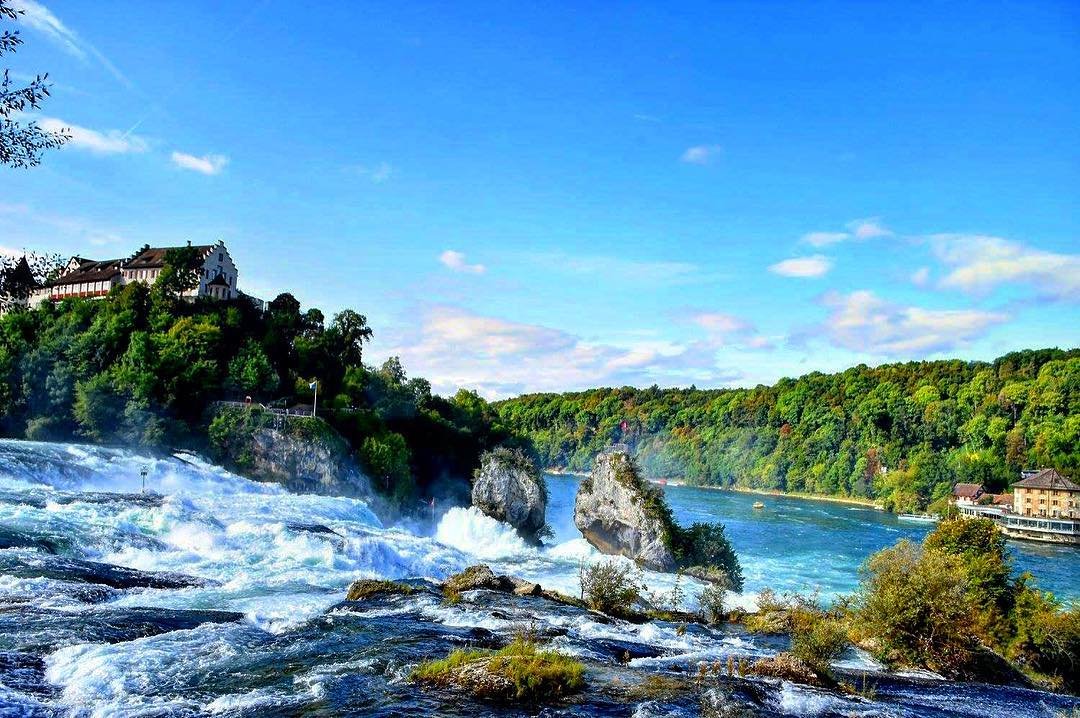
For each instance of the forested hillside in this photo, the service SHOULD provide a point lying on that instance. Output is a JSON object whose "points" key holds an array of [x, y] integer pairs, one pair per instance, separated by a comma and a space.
{"points": [[141, 366], [900, 433]]}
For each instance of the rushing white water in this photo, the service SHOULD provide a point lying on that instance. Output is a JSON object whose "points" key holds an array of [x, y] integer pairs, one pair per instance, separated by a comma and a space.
{"points": [[282, 560]]}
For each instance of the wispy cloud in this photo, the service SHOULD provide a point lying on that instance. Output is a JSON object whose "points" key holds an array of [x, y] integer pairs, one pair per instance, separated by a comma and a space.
{"points": [[42, 19], [206, 164], [921, 276], [805, 267], [857, 229], [455, 262], [869, 228], [109, 142], [980, 263], [728, 330], [456, 348], [702, 154], [862, 321], [823, 239], [376, 174], [625, 269]]}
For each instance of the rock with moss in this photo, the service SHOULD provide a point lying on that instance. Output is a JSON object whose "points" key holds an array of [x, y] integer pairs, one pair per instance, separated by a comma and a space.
{"points": [[365, 588], [621, 514], [508, 487], [303, 453], [519, 673]]}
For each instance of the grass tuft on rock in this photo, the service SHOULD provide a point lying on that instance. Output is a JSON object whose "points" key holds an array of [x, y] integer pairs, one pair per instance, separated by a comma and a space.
{"points": [[367, 588], [520, 672]]}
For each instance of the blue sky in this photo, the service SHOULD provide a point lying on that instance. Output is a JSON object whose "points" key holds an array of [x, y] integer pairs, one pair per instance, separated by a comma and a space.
{"points": [[526, 198]]}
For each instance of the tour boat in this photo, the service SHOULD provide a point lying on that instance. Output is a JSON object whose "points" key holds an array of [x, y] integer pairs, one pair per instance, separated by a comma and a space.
{"points": [[758, 505], [922, 518]]}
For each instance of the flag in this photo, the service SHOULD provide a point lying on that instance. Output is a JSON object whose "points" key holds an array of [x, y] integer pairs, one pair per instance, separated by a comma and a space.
{"points": [[313, 384]]}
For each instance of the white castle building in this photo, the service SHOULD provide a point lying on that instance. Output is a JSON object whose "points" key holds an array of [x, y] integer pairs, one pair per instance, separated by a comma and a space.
{"points": [[91, 278]]}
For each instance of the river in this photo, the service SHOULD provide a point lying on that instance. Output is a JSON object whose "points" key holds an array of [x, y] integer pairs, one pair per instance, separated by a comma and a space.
{"points": [[215, 595]]}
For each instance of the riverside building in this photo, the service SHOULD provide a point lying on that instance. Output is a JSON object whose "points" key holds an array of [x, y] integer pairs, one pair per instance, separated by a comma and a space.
{"points": [[1045, 507]]}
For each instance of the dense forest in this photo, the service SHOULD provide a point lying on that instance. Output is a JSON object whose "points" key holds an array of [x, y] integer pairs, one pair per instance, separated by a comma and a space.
{"points": [[901, 434], [141, 366]]}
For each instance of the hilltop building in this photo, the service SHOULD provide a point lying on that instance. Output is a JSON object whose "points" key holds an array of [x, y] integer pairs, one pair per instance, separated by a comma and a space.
{"points": [[89, 278], [1045, 506]]}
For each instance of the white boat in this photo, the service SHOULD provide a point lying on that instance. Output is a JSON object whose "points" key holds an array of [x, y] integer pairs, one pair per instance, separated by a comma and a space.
{"points": [[920, 518]]}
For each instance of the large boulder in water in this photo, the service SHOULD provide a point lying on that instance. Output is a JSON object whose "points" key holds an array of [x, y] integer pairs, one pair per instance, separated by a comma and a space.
{"points": [[508, 487], [619, 513]]}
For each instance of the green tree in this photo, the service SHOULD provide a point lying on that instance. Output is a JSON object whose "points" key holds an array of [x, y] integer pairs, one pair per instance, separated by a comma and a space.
{"points": [[22, 142]]}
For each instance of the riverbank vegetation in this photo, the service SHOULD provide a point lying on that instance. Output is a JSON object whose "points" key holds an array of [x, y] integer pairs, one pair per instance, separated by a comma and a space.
{"points": [[901, 434], [952, 604], [141, 366], [947, 603]]}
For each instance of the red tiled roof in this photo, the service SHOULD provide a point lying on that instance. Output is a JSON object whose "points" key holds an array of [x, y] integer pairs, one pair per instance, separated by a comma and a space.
{"points": [[154, 257], [1047, 479], [967, 491], [88, 270]]}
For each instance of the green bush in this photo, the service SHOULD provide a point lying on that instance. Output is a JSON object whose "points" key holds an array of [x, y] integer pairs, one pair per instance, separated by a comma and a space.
{"points": [[609, 587], [711, 602], [817, 640]]}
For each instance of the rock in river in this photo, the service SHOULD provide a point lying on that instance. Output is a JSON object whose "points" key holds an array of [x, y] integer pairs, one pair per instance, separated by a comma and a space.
{"points": [[508, 487], [621, 514]]}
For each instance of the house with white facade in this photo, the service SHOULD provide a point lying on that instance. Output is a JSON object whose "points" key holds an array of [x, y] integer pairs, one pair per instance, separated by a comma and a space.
{"points": [[90, 278]]}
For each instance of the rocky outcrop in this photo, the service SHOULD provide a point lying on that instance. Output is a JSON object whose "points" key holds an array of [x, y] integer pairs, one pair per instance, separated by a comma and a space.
{"points": [[508, 487], [305, 454], [620, 514]]}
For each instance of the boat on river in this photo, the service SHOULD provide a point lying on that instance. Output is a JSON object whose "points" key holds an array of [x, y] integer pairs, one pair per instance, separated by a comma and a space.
{"points": [[920, 518], [759, 505]]}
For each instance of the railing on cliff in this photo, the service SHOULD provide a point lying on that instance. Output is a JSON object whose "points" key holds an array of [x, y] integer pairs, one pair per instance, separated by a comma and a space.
{"points": [[293, 413]]}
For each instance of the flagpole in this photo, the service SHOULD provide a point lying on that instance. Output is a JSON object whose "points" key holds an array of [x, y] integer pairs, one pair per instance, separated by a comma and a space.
{"points": [[315, 406]]}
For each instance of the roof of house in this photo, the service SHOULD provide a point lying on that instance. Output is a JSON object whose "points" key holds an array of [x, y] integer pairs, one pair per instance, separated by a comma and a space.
{"points": [[154, 257], [89, 270], [967, 491], [1002, 499], [1047, 479]]}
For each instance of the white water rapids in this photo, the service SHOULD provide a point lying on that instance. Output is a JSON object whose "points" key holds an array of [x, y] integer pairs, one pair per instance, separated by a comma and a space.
{"points": [[267, 554]]}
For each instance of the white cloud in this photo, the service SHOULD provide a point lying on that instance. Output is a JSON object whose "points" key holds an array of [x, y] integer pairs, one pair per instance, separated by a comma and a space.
{"points": [[981, 263], [110, 142], [729, 330], [869, 228], [701, 154], [821, 239], [376, 174], [455, 348], [455, 262], [858, 229], [40, 18], [921, 276], [207, 164], [806, 267], [861, 321]]}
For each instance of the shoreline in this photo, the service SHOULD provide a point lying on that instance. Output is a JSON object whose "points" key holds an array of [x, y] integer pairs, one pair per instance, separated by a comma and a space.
{"points": [[848, 500]]}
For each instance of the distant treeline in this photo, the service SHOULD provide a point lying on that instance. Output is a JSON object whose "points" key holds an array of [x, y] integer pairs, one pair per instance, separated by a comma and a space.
{"points": [[140, 367], [899, 433]]}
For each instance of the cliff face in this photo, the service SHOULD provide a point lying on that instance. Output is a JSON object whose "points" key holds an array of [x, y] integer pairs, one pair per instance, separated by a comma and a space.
{"points": [[304, 454], [508, 487], [618, 513]]}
